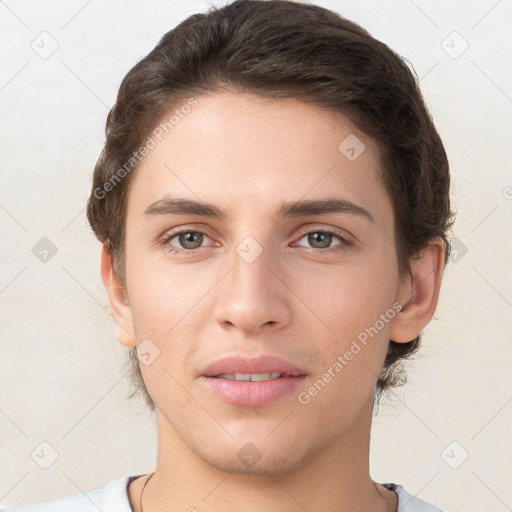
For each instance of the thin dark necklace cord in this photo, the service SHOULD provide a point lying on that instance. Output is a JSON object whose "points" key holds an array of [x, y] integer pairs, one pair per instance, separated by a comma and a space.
{"points": [[149, 478], [142, 490]]}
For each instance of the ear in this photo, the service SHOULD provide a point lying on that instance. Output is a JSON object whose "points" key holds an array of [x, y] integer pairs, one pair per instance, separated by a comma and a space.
{"points": [[118, 299], [419, 293]]}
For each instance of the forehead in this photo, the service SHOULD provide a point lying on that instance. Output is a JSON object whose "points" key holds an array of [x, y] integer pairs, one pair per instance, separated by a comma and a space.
{"points": [[237, 149]]}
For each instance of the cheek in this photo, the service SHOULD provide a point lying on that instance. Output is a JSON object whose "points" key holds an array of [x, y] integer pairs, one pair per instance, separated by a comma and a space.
{"points": [[351, 312], [163, 298], [346, 299], [165, 306]]}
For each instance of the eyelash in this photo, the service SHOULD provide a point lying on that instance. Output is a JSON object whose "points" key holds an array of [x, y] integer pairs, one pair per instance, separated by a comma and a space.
{"points": [[344, 245]]}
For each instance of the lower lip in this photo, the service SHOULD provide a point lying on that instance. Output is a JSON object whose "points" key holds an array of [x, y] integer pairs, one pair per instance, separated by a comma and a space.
{"points": [[252, 394]]}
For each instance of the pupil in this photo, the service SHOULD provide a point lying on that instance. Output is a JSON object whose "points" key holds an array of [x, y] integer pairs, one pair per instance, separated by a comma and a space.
{"points": [[317, 238], [189, 237]]}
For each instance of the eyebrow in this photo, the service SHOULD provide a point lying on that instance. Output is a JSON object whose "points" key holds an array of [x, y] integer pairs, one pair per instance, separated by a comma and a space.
{"points": [[169, 205]]}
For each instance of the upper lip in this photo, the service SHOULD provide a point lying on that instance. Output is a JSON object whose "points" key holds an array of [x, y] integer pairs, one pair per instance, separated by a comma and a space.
{"points": [[260, 364]]}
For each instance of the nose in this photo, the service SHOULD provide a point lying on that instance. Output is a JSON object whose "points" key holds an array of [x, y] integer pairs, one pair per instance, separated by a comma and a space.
{"points": [[253, 296]]}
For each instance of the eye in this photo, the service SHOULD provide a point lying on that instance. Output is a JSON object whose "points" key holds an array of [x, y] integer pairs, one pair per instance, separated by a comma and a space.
{"points": [[189, 240], [322, 239]]}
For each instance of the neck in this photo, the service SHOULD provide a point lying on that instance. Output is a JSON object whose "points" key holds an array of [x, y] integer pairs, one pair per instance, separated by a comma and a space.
{"points": [[334, 479]]}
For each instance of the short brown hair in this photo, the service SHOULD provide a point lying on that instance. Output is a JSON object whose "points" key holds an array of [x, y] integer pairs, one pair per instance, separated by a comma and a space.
{"points": [[283, 49]]}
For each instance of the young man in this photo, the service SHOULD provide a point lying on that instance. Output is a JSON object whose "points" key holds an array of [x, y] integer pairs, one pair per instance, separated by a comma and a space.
{"points": [[273, 203]]}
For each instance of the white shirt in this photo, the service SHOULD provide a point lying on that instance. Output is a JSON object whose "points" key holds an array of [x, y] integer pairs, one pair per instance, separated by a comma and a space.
{"points": [[114, 498]]}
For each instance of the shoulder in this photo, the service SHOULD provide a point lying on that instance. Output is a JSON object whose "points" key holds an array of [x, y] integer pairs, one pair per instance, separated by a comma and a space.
{"points": [[113, 497], [410, 503]]}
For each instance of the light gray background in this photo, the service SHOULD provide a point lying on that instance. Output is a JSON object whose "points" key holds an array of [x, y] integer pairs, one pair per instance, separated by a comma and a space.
{"points": [[61, 365]]}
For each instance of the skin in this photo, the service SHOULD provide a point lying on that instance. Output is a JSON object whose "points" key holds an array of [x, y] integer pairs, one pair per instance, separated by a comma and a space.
{"points": [[246, 155]]}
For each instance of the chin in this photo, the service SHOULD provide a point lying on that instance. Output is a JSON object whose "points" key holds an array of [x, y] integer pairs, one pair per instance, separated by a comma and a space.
{"points": [[255, 454], [273, 463]]}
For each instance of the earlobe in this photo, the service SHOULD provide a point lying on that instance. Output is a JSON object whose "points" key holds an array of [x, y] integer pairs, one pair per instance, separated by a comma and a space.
{"points": [[420, 293], [118, 299]]}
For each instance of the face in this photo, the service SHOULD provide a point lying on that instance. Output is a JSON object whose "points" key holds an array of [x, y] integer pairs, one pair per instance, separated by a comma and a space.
{"points": [[259, 280]]}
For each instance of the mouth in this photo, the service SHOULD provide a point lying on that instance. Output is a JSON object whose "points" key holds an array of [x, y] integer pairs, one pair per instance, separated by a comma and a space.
{"points": [[254, 377], [263, 367], [252, 382]]}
